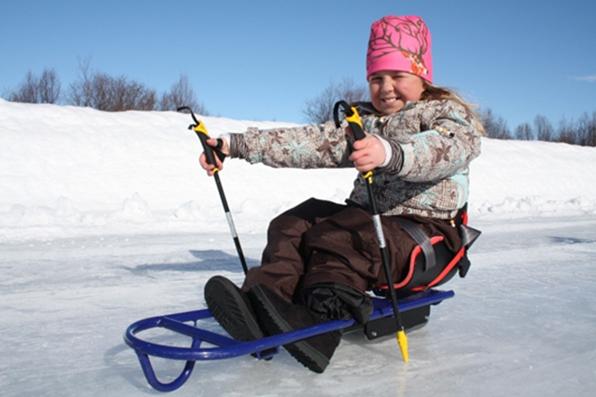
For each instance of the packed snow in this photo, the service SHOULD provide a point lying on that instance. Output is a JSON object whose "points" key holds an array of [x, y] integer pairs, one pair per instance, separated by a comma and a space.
{"points": [[106, 218]]}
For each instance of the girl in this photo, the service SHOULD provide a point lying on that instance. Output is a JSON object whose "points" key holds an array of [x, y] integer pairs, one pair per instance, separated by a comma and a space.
{"points": [[322, 257]]}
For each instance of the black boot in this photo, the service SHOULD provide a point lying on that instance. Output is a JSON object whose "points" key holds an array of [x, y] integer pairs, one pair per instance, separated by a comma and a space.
{"points": [[277, 316], [232, 309]]}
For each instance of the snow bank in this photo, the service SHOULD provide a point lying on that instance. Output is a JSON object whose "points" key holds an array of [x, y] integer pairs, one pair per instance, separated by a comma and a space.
{"points": [[520, 178], [67, 170]]}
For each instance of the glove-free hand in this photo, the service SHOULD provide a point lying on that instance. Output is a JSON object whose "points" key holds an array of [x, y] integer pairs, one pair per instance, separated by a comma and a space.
{"points": [[368, 153], [221, 148]]}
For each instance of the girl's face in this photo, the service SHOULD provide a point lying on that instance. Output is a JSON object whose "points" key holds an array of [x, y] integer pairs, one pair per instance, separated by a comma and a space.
{"points": [[390, 90]]}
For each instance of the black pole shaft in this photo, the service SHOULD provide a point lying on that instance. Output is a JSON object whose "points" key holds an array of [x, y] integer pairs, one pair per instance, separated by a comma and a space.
{"points": [[231, 225], [384, 255], [355, 124], [202, 134]]}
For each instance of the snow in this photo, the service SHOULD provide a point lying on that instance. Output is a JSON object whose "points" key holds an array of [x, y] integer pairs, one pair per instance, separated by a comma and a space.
{"points": [[106, 218]]}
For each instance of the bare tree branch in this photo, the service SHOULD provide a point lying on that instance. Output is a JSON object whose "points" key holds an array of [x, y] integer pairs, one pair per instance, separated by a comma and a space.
{"points": [[103, 92], [320, 108], [38, 90], [181, 94], [524, 132], [495, 127]]}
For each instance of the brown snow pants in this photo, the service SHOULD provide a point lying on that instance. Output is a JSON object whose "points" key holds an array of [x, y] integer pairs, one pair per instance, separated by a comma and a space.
{"points": [[323, 242]]}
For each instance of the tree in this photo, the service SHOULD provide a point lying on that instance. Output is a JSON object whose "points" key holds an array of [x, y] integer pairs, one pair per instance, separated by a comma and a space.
{"points": [[586, 130], [544, 129], [45, 89], [27, 91], [567, 132], [48, 86], [320, 108], [524, 132], [129, 95], [495, 127], [181, 94], [103, 92]]}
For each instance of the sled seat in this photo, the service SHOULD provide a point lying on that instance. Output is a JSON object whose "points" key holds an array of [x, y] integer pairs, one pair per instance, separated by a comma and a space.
{"points": [[431, 263]]}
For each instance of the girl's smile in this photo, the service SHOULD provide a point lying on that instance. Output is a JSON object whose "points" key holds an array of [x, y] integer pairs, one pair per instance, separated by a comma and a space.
{"points": [[390, 90]]}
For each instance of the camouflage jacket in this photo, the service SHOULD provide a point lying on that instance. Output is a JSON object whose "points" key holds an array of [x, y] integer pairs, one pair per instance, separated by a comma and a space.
{"points": [[437, 138]]}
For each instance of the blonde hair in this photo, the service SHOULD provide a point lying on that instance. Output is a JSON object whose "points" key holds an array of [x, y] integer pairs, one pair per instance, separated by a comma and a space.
{"points": [[437, 93]]}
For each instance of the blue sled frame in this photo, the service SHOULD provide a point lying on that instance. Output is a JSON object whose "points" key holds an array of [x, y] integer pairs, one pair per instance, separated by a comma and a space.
{"points": [[221, 346]]}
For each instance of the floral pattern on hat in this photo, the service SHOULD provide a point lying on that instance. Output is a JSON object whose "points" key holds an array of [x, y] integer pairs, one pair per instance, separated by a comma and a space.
{"points": [[400, 43]]}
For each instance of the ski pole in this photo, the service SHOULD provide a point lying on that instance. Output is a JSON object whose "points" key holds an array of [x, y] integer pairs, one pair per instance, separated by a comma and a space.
{"points": [[199, 128], [355, 124]]}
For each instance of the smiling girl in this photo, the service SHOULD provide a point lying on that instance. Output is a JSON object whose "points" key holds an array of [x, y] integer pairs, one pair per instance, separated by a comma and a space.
{"points": [[321, 257]]}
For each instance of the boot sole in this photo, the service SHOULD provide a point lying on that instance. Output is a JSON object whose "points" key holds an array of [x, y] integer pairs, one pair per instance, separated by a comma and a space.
{"points": [[302, 351], [230, 310]]}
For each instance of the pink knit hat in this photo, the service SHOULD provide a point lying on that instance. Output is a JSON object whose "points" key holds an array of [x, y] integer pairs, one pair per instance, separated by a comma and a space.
{"points": [[400, 43]]}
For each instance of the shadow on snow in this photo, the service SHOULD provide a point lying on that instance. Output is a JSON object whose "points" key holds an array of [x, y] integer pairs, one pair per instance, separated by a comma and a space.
{"points": [[208, 260]]}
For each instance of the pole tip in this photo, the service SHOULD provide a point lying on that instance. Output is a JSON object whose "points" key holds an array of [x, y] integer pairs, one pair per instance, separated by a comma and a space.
{"points": [[402, 341]]}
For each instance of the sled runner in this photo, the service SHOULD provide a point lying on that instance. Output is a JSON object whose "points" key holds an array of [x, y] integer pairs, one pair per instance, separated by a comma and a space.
{"points": [[206, 344]]}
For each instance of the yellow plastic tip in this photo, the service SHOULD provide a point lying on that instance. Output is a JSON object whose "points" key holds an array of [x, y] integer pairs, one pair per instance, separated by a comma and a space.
{"points": [[201, 128], [355, 117], [402, 341]]}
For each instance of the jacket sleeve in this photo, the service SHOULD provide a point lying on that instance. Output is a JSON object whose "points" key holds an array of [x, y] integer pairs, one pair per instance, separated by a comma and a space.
{"points": [[449, 142], [310, 146]]}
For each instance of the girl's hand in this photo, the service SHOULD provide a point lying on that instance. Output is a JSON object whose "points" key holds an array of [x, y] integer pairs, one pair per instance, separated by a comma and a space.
{"points": [[368, 153], [210, 168]]}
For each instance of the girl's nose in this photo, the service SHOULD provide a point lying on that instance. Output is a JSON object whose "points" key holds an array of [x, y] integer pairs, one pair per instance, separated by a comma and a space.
{"points": [[386, 84]]}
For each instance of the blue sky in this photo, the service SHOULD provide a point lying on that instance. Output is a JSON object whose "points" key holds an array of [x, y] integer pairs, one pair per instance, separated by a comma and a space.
{"points": [[262, 60]]}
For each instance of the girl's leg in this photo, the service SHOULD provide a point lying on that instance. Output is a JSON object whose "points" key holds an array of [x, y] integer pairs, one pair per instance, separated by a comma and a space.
{"points": [[343, 261], [282, 263], [344, 248]]}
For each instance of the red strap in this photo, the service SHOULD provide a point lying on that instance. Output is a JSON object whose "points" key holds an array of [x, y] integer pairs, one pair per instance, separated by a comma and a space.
{"points": [[412, 266], [445, 271]]}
